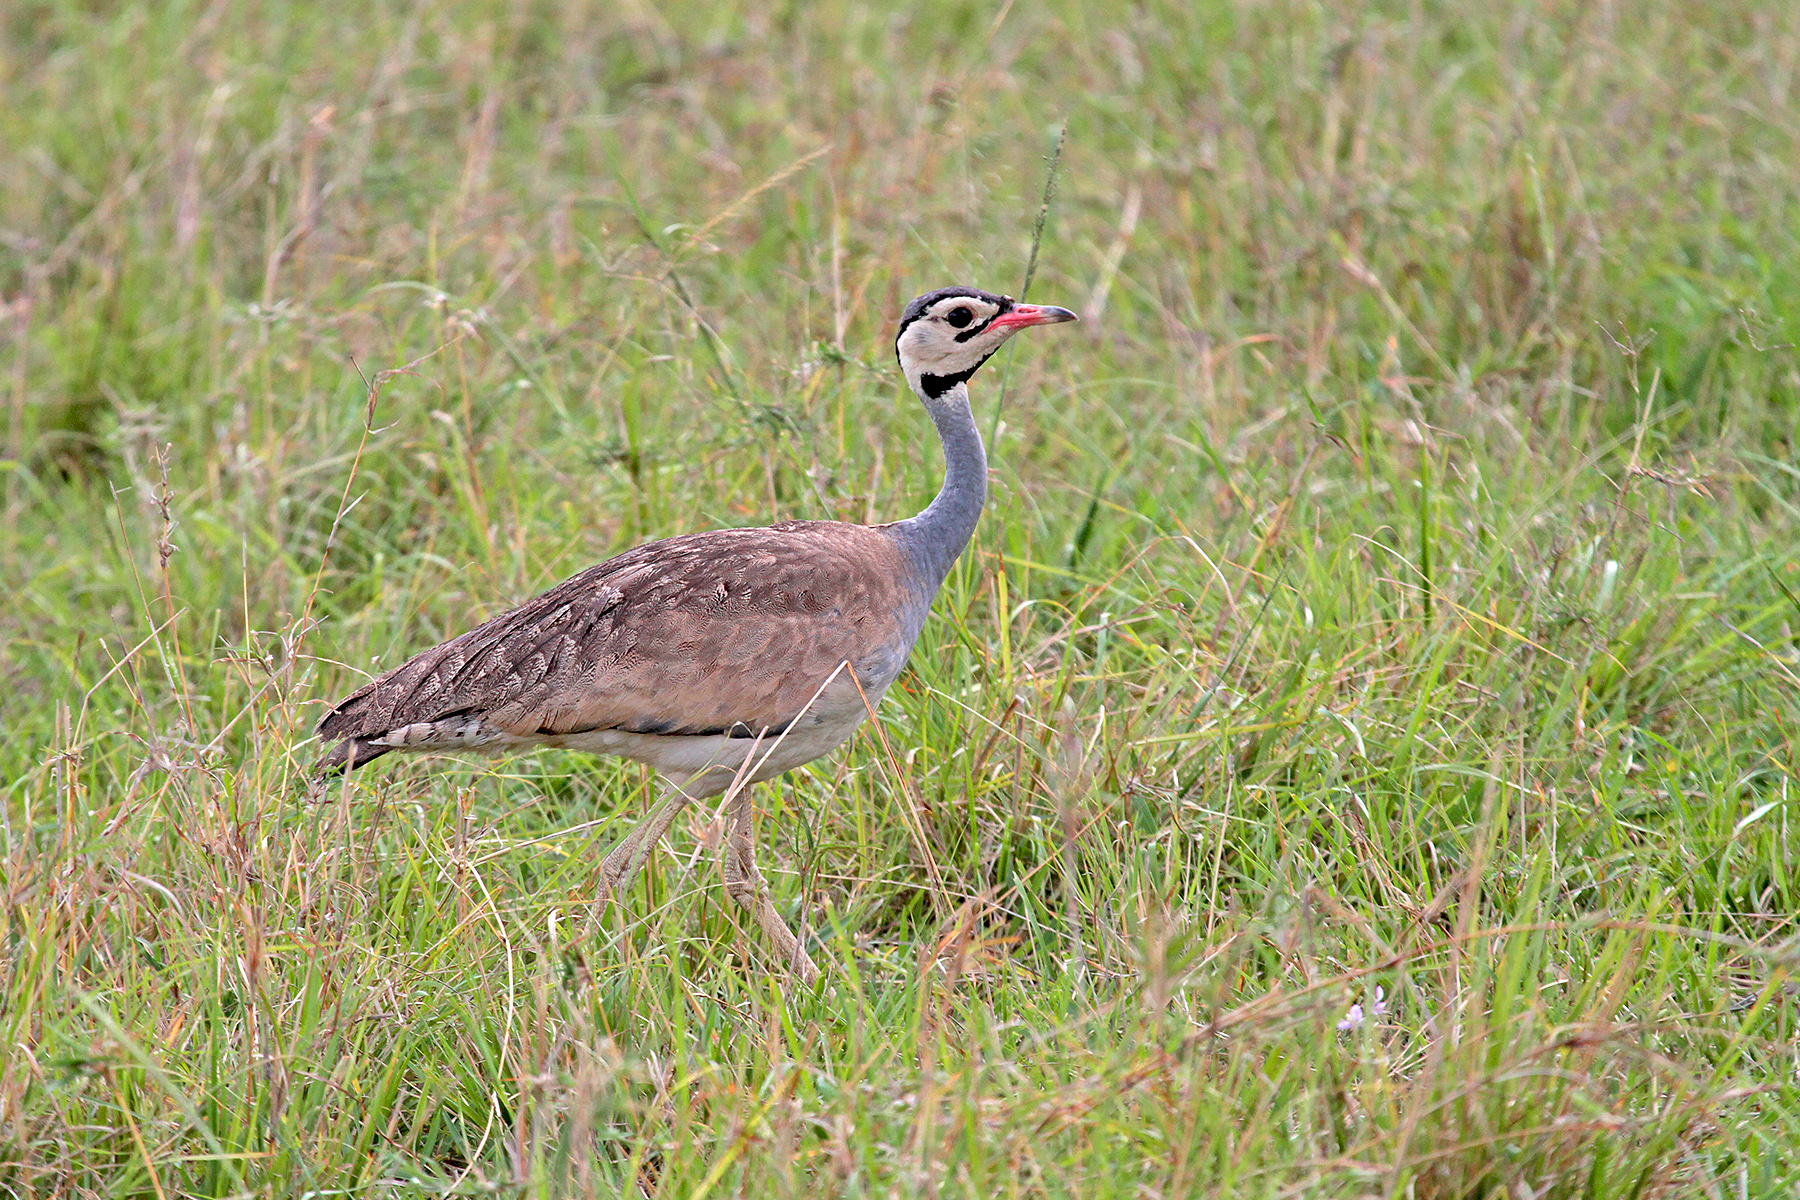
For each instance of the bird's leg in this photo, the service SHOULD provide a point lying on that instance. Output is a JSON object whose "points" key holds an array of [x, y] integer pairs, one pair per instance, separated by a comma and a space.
{"points": [[745, 884], [626, 859]]}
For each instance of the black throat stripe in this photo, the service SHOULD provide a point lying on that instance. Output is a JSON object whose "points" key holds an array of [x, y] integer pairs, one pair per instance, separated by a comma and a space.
{"points": [[936, 385]]}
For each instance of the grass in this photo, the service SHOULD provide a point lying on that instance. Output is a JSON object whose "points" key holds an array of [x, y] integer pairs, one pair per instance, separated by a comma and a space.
{"points": [[1390, 585]]}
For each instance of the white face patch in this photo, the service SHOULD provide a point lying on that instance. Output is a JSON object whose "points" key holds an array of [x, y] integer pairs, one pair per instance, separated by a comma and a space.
{"points": [[946, 335], [949, 339]]}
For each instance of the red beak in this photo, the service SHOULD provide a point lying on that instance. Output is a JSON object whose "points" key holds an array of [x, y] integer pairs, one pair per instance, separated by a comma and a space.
{"points": [[1021, 315]]}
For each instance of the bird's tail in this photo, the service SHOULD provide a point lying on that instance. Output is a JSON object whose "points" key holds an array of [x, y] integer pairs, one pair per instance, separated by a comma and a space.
{"points": [[342, 757]]}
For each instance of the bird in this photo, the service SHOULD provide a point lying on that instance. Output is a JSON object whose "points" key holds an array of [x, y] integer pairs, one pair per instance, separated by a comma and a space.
{"points": [[720, 658]]}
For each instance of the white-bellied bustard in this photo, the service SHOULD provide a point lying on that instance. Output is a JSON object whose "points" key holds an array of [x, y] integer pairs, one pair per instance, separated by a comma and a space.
{"points": [[713, 656]]}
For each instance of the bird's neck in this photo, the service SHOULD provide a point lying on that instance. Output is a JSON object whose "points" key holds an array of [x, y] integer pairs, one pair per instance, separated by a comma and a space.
{"points": [[936, 537]]}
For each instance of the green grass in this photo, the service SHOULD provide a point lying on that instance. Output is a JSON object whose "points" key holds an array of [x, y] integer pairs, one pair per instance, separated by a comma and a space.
{"points": [[1392, 583]]}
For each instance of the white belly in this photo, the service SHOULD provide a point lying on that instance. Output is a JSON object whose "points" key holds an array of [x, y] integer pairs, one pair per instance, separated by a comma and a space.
{"points": [[706, 765], [702, 765]]}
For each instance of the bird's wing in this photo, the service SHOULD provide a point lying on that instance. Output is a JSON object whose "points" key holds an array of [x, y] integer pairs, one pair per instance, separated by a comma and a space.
{"points": [[732, 631]]}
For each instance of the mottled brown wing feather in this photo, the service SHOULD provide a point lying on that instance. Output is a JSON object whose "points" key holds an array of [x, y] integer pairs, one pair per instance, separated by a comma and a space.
{"points": [[732, 630]]}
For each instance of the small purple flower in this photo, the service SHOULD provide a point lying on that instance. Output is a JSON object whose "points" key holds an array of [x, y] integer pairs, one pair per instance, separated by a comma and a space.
{"points": [[1354, 1018]]}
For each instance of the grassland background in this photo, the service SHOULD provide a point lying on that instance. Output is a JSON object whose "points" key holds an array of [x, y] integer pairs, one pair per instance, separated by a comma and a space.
{"points": [[1390, 584]]}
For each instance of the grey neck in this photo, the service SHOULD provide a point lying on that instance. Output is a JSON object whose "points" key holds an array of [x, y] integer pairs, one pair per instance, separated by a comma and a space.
{"points": [[935, 538]]}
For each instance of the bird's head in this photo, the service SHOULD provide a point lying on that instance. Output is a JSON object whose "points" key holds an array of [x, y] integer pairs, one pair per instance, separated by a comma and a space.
{"points": [[946, 335]]}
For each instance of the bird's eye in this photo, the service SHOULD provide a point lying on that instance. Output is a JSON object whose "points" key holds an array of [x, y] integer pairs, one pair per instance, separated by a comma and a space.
{"points": [[959, 316]]}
